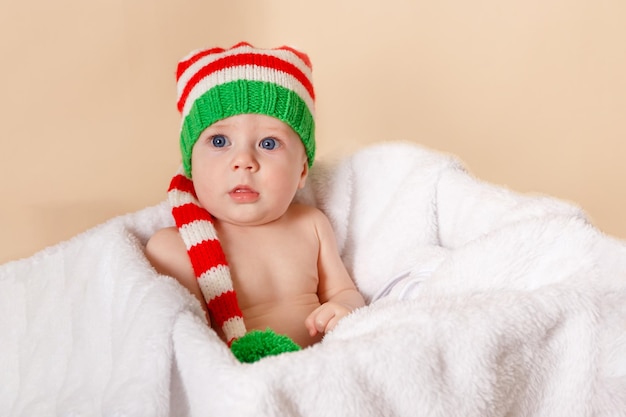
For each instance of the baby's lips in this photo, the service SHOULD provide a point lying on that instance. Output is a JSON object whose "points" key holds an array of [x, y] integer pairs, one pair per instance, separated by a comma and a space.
{"points": [[243, 189], [244, 193]]}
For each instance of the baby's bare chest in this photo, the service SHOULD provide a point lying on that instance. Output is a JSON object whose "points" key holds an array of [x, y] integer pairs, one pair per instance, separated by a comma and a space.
{"points": [[272, 268]]}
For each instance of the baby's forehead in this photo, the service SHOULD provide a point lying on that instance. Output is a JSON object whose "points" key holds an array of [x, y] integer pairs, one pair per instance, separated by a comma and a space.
{"points": [[253, 121]]}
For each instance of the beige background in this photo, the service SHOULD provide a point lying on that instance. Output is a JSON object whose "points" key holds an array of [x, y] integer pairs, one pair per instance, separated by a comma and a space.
{"points": [[530, 94]]}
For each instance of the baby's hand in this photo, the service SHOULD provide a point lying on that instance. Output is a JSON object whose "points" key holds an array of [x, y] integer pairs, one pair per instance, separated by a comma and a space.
{"points": [[324, 318]]}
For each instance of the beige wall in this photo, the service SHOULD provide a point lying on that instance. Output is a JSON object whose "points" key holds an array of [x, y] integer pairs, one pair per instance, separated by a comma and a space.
{"points": [[530, 94]]}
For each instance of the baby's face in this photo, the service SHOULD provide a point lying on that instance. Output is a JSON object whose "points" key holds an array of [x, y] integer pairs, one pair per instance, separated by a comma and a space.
{"points": [[246, 169]]}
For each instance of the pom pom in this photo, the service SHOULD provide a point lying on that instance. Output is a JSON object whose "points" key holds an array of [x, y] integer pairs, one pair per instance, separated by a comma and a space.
{"points": [[258, 344]]}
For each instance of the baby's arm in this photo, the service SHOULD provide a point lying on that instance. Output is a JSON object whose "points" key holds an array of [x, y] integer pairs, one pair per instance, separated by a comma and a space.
{"points": [[167, 253], [336, 290]]}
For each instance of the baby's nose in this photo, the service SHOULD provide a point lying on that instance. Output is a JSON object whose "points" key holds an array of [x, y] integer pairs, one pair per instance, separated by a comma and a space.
{"points": [[245, 160]]}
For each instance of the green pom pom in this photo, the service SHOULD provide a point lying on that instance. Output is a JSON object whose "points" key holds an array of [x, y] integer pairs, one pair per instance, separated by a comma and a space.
{"points": [[258, 344]]}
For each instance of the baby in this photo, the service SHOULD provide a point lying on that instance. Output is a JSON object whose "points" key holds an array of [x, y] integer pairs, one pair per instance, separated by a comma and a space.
{"points": [[247, 142]]}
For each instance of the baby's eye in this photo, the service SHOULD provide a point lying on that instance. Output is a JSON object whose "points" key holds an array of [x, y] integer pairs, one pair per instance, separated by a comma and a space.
{"points": [[219, 141], [269, 143]]}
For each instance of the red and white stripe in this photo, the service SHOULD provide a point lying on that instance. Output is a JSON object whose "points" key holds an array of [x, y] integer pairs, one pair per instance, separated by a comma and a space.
{"points": [[197, 230], [202, 70]]}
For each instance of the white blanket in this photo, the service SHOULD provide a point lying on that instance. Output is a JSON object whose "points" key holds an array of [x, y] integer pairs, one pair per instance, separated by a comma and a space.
{"points": [[504, 305]]}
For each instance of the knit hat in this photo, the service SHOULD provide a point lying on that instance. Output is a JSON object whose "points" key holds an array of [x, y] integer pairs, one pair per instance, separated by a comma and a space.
{"points": [[214, 84], [217, 83]]}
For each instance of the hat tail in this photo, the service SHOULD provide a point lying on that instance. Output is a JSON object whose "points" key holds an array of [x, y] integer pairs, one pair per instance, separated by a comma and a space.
{"points": [[197, 229]]}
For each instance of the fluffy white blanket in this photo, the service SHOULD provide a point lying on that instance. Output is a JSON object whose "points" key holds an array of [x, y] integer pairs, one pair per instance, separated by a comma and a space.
{"points": [[483, 302]]}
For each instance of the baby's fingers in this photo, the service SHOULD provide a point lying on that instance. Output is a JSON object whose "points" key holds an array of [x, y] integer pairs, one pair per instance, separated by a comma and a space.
{"points": [[319, 319]]}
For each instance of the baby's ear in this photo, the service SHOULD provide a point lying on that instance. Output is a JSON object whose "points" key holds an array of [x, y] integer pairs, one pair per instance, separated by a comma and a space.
{"points": [[304, 174]]}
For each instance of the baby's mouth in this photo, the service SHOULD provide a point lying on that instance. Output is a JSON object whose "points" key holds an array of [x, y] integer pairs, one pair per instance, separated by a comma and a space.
{"points": [[242, 189], [244, 194]]}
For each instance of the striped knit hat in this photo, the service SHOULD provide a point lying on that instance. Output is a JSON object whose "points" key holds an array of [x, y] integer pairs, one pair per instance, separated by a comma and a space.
{"points": [[214, 84]]}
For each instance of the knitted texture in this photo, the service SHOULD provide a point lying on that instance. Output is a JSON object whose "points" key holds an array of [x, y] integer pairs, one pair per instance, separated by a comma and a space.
{"points": [[258, 344], [213, 84], [207, 257]]}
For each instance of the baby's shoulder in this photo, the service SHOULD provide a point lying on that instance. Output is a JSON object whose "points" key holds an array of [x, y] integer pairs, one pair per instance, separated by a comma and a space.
{"points": [[166, 251], [306, 211], [168, 236], [312, 216]]}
